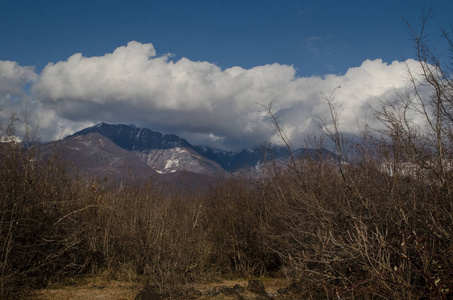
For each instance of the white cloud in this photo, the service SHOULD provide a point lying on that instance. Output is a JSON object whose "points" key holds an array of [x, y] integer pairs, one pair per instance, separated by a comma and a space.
{"points": [[13, 81], [16, 99], [199, 100], [14, 77]]}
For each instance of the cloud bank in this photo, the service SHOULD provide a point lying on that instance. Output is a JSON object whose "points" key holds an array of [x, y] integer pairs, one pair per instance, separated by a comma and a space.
{"points": [[194, 99]]}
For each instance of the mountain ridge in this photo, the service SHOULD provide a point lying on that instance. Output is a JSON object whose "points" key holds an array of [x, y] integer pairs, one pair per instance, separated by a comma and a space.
{"points": [[131, 137], [169, 153]]}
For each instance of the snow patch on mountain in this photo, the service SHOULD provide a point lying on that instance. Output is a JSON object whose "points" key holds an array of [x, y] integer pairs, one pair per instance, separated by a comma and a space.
{"points": [[171, 164], [165, 161]]}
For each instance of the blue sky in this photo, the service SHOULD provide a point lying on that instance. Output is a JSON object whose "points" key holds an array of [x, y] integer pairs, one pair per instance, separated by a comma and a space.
{"points": [[316, 36], [311, 38]]}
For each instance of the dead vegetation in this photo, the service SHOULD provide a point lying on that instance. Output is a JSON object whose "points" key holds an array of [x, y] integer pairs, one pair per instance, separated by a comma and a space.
{"points": [[373, 223]]}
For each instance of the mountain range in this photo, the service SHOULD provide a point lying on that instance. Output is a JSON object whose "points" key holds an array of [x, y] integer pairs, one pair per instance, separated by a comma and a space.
{"points": [[119, 150]]}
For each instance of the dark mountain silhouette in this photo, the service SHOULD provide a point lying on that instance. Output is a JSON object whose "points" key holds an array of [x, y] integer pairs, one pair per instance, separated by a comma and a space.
{"points": [[117, 149], [132, 138]]}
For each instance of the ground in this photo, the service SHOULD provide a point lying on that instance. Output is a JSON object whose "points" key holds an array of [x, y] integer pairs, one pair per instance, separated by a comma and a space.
{"points": [[100, 289]]}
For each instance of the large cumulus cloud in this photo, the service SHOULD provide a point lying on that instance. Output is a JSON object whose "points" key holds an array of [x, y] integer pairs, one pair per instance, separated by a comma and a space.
{"points": [[13, 77], [202, 102], [15, 99]]}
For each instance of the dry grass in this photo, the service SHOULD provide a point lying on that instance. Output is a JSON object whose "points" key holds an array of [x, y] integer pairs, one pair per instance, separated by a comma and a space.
{"points": [[115, 290], [100, 288]]}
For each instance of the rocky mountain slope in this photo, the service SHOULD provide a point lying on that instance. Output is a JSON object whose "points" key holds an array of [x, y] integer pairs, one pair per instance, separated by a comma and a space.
{"points": [[164, 153], [116, 150], [96, 155]]}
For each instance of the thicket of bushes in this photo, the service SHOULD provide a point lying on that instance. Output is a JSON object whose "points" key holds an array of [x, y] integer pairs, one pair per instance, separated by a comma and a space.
{"points": [[373, 223]]}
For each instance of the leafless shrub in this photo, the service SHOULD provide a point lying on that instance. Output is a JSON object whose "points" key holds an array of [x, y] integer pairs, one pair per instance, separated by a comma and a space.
{"points": [[41, 228], [375, 223]]}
